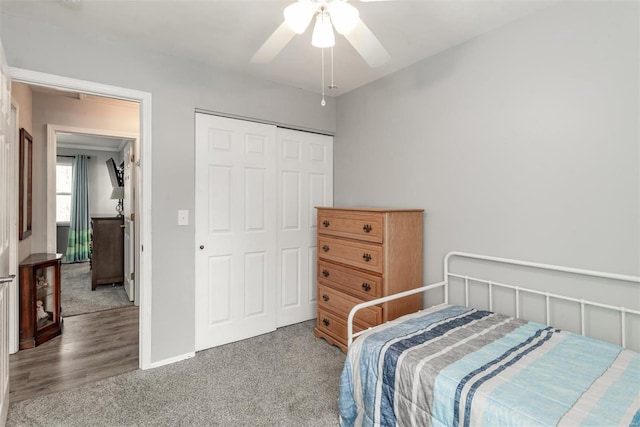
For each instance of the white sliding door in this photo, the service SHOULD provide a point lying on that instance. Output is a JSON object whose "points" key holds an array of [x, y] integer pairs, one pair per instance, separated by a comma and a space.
{"points": [[256, 191], [305, 180], [235, 230]]}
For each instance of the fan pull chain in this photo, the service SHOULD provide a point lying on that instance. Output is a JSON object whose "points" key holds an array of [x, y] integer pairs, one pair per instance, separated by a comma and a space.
{"points": [[323, 102], [332, 85]]}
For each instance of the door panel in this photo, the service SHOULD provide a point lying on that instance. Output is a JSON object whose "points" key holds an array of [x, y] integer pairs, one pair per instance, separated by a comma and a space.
{"points": [[290, 260], [219, 289], [219, 199], [255, 284], [305, 180], [235, 230]]}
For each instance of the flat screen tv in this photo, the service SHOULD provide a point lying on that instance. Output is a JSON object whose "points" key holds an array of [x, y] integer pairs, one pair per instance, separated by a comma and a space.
{"points": [[114, 173]]}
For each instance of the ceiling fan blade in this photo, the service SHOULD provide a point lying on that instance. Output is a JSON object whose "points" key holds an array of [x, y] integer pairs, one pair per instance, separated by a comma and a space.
{"points": [[367, 45], [274, 44]]}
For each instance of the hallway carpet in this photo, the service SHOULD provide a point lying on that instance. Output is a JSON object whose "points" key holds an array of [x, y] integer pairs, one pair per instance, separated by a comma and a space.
{"points": [[77, 296], [284, 378]]}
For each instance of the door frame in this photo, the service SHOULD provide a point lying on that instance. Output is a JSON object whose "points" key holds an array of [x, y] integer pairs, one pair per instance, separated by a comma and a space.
{"points": [[144, 99], [52, 150], [52, 147], [13, 230]]}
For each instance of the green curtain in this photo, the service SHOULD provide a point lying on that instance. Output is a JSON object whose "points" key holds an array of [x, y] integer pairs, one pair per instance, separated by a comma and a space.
{"points": [[78, 245]]}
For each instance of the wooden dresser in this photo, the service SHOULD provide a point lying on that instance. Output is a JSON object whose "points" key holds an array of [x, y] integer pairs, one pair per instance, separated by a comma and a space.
{"points": [[365, 254], [107, 250]]}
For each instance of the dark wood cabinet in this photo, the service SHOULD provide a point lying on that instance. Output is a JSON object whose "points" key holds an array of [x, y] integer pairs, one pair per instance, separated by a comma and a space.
{"points": [[107, 250], [40, 318]]}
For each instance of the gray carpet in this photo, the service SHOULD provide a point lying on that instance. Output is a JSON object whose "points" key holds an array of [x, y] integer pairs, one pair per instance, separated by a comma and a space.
{"points": [[77, 296], [285, 378]]}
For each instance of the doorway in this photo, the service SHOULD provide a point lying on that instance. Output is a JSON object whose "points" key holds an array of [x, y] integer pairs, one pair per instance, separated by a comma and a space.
{"points": [[86, 289], [144, 218]]}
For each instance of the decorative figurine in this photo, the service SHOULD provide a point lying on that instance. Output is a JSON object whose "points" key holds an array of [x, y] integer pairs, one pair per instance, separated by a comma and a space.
{"points": [[42, 282], [40, 313]]}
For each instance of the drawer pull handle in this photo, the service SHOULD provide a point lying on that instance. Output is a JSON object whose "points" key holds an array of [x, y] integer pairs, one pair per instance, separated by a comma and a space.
{"points": [[326, 322], [325, 297], [325, 273], [366, 257], [326, 223], [366, 286], [367, 228], [325, 248]]}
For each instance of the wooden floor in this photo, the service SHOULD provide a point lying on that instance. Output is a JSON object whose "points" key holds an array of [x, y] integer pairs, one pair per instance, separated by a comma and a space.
{"points": [[92, 346]]}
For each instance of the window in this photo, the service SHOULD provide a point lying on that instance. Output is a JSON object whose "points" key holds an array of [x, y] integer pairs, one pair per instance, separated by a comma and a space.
{"points": [[64, 179]]}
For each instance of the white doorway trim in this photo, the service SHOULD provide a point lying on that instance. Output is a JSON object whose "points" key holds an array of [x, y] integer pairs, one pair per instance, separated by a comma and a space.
{"points": [[144, 98], [14, 301]]}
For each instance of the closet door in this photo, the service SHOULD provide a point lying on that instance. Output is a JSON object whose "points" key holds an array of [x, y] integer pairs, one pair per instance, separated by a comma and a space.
{"points": [[235, 223], [305, 180]]}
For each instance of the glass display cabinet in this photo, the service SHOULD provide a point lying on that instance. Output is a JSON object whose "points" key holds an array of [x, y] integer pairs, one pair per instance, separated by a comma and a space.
{"points": [[40, 318]]}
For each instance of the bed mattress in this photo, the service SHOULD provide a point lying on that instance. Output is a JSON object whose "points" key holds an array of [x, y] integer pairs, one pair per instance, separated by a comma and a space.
{"points": [[458, 366]]}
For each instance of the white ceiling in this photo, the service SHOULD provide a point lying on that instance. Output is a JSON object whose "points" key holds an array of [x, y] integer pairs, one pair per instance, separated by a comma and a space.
{"points": [[226, 33], [79, 141]]}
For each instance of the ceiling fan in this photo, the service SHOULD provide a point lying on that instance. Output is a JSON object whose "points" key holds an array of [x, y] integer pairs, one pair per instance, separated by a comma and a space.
{"points": [[329, 14]]}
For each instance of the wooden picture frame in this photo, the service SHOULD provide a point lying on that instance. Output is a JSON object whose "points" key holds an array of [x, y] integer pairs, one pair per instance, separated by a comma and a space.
{"points": [[26, 184]]}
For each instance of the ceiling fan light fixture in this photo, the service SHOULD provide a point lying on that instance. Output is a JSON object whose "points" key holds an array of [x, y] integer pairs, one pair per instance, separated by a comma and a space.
{"points": [[344, 16], [298, 16], [329, 14], [323, 31]]}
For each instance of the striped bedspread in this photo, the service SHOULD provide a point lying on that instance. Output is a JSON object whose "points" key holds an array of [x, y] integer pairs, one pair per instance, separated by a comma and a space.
{"points": [[457, 366]]}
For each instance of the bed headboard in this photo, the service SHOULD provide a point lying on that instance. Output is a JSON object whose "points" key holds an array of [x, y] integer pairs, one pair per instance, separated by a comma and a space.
{"points": [[593, 303], [600, 305]]}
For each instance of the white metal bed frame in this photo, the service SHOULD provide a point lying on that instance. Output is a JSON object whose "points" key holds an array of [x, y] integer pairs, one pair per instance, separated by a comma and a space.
{"points": [[491, 284]]}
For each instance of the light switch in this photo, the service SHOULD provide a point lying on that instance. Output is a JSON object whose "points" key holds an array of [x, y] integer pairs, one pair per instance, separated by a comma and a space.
{"points": [[183, 217]]}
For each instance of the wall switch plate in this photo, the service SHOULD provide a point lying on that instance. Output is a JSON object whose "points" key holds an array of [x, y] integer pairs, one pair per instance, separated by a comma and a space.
{"points": [[183, 217]]}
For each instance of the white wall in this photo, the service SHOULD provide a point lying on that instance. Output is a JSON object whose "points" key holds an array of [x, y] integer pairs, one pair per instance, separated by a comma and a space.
{"points": [[178, 88], [521, 143], [23, 98]]}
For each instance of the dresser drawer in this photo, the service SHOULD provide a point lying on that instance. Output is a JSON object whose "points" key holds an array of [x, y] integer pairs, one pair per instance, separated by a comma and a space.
{"points": [[334, 325], [368, 256], [340, 303], [352, 225], [355, 282]]}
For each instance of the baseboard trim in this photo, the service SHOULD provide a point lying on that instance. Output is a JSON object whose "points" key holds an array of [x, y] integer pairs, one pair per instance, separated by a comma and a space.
{"points": [[171, 360]]}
